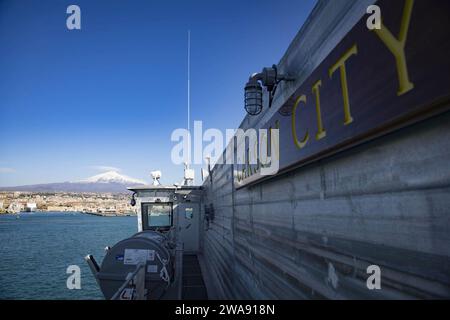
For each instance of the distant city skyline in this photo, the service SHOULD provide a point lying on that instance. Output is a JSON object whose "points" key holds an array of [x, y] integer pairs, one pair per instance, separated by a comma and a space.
{"points": [[74, 103]]}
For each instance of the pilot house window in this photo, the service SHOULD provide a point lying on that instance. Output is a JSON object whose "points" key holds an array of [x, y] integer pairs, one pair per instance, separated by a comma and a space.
{"points": [[157, 215]]}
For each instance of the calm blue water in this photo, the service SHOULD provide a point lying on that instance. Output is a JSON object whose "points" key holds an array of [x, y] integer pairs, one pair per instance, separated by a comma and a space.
{"points": [[36, 250]]}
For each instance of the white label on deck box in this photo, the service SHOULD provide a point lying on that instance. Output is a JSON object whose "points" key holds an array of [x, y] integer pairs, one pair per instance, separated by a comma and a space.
{"points": [[136, 256]]}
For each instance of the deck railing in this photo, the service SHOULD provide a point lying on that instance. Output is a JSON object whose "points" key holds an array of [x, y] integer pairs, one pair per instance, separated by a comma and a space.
{"points": [[136, 280]]}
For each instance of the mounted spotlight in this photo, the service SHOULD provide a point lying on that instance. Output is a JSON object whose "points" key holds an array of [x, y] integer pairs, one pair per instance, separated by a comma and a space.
{"points": [[133, 200], [253, 97], [269, 78]]}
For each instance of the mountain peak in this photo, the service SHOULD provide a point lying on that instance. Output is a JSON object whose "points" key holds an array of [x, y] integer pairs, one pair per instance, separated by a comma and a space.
{"points": [[112, 177], [110, 181]]}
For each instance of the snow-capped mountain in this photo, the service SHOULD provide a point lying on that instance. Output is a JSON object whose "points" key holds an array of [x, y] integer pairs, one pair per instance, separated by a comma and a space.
{"points": [[111, 177], [110, 181]]}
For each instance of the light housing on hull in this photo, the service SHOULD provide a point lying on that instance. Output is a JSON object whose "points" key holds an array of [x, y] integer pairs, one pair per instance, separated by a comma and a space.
{"points": [[253, 97]]}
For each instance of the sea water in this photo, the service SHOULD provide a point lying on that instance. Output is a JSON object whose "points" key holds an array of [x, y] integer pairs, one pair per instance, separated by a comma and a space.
{"points": [[37, 248]]}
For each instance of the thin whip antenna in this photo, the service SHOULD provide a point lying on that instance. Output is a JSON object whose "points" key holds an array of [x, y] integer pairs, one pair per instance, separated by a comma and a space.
{"points": [[189, 81], [189, 94]]}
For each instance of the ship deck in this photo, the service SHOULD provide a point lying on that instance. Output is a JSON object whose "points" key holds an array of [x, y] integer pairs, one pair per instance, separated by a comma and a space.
{"points": [[193, 283]]}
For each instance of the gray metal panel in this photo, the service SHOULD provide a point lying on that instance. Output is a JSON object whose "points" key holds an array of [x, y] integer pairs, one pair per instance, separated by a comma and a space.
{"points": [[385, 203], [188, 229]]}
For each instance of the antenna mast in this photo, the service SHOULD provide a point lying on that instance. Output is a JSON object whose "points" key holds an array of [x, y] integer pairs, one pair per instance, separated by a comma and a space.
{"points": [[189, 95], [189, 80], [188, 172]]}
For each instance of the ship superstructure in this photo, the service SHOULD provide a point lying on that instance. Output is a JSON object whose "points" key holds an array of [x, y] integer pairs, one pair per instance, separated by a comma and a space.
{"points": [[362, 185]]}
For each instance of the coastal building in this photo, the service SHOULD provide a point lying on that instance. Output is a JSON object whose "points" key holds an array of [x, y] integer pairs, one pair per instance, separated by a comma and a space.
{"points": [[60, 208], [30, 207], [15, 207], [109, 210]]}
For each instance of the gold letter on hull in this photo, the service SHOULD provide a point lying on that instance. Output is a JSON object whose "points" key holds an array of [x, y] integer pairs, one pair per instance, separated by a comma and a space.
{"points": [[321, 133], [341, 66], [397, 47], [299, 144]]}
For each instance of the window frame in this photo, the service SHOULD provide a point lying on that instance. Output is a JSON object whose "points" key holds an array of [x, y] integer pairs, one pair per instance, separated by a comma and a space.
{"points": [[145, 217]]}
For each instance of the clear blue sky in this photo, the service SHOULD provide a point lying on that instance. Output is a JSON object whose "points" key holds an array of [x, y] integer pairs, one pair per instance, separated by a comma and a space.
{"points": [[111, 93]]}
